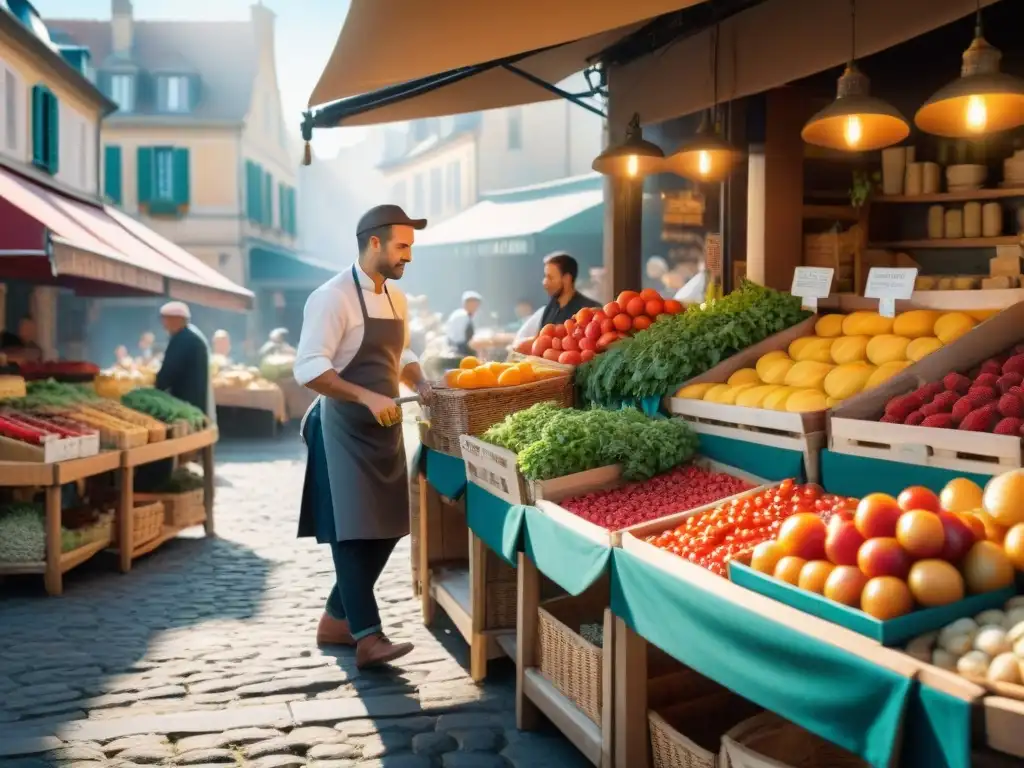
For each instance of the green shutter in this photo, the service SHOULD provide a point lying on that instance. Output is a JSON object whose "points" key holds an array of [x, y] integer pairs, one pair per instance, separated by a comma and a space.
{"points": [[268, 201], [293, 218], [39, 125], [181, 176], [112, 173], [53, 133], [145, 175], [282, 207]]}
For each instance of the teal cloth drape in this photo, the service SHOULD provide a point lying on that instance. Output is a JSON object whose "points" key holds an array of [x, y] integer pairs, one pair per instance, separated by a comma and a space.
{"points": [[765, 461], [937, 730], [859, 476], [567, 557], [498, 523], [446, 473]]}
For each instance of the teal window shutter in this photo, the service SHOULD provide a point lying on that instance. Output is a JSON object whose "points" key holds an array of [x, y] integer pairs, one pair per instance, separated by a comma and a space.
{"points": [[282, 207], [268, 201], [145, 175], [112, 173], [293, 218], [39, 125], [53, 133], [181, 176], [249, 173]]}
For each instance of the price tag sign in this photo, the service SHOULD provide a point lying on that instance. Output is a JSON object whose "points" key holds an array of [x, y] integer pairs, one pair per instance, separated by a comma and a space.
{"points": [[889, 285], [811, 284]]}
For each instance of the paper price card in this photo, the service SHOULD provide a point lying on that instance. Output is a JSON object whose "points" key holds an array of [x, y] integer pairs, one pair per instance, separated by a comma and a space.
{"points": [[889, 285], [811, 284]]}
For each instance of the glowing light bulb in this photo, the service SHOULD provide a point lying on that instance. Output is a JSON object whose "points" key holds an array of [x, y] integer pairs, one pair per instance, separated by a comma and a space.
{"points": [[704, 162], [977, 113], [632, 165], [853, 131]]}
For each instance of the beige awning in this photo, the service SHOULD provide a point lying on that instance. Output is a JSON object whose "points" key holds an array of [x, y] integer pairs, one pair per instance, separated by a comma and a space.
{"points": [[767, 46], [386, 42]]}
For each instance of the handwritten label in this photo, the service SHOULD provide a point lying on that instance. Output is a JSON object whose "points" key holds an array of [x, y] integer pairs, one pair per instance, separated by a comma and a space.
{"points": [[912, 453], [889, 285], [811, 284]]}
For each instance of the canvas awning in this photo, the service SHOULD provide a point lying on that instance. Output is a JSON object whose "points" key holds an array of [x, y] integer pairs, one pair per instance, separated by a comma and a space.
{"points": [[49, 238], [449, 34]]}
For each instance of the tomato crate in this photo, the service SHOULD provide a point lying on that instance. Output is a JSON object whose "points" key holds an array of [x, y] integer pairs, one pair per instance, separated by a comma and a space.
{"points": [[577, 486]]}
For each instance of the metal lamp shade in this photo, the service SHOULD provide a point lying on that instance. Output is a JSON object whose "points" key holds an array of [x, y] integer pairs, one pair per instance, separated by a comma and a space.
{"points": [[982, 101], [634, 158], [856, 121], [705, 157]]}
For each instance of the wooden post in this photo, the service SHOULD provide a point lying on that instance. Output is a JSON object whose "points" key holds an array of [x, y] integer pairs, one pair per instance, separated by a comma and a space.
{"points": [[623, 213], [527, 715], [125, 543], [477, 608], [632, 743], [208, 489], [426, 599], [54, 580]]}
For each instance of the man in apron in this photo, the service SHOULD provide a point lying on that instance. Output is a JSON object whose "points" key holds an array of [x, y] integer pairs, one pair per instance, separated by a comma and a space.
{"points": [[353, 350], [459, 328]]}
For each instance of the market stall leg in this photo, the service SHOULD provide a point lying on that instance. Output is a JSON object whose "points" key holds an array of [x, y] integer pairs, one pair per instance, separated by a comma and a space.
{"points": [[53, 579], [478, 646], [124, 518], [426, 599], [632, 743], [208, 489], [527, 715]]}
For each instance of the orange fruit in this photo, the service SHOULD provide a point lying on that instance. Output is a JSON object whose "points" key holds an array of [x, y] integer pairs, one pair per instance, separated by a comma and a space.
{"points": [[468, 380], [814, 574], [469, 363], [935, 582], [960, 495], [451, 378], [486, 377], [886, 597], [1003, 498], [526, 373], [510, 378], [788, 569]]}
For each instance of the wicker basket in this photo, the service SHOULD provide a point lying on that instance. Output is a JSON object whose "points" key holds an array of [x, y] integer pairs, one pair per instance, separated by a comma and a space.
{"points": [[502, 592], [181, 510], [455, 412], [573, 665], [689, 734], [768, 741], [147, 521]]}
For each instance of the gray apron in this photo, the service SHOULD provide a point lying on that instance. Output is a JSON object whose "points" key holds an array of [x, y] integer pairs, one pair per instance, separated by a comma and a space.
{"points": [[364, 462]]}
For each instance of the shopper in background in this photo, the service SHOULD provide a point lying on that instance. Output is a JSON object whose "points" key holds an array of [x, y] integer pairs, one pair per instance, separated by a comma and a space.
{"points": [[24, 339], [560, 273], [459, 327], [185, 371]]}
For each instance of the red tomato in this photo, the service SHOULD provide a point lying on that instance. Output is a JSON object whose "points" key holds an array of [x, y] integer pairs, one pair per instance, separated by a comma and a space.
{"points": [[654, 307], [560, 331], [607, 325], [579, 333], [586, 354], [635, 306], [649, 294], [585, 315], [622, 322], [606, 339], [625, 297], [641, 323], [569, 344], [552, 354], [594, 330], [587, 343], [556, 343], [548, 330], [673, 307], [570, 358], [612, 308], [570, 326], [540, 345], [918, 497], [598, 316]]}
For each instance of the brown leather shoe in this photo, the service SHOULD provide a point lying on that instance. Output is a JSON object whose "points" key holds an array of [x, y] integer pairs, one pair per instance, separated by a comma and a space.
{"points": [[334, 632], [376, 650]]}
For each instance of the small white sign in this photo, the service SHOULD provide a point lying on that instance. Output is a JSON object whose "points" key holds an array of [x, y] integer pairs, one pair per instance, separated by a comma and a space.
{"points": [[889, 285], [811, 284]]}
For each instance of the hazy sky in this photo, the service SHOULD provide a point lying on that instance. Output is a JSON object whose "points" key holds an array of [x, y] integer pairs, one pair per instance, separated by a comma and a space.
{"points": [[306, 33]]}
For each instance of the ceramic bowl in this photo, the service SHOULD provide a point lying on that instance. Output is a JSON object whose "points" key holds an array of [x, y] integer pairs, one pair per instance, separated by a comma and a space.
{"points": [[961, 176]]}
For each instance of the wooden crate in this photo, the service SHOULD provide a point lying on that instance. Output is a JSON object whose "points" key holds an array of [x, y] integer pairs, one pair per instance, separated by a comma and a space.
{"points": [[854, 428], [838, 250]]}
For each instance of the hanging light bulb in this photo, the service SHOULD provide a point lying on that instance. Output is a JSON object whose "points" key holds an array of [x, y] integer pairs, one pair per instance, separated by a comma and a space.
{"points": [[633, 158], [982, 100], [856, 121], [705, 157]]}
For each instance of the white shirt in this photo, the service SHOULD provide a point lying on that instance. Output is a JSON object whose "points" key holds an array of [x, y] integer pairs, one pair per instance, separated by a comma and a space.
{"points": [[530, 328], [695, 289], [332, 324], [456, 325]]}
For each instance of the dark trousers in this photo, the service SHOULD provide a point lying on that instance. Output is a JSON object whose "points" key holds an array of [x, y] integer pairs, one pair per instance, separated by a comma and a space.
{"points": [[358, 564]]}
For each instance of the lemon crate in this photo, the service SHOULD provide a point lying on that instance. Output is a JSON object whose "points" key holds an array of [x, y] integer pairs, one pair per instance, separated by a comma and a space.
{"points": [[802, 432], [854, 427]]}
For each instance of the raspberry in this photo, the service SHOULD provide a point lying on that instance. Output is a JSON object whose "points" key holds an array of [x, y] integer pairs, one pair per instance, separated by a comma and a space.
{"points": [[979, 420], [914, 419], [945, 401], [928, 392], [987, 380], [890, 420], [1009, 426], [931, 409], [962, 407], [1008, 381], [1011, 406], [1015, 364], [956, 382], [939, 421], [901, 407], [981, 395], [991, 366]]}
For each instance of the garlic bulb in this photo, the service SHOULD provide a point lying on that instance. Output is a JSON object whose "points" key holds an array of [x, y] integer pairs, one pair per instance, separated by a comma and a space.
{"points": [[973, 664], [1005, 668], [992, 617], [958, 627], [992, 641], [944, 660], [1016, 632]]}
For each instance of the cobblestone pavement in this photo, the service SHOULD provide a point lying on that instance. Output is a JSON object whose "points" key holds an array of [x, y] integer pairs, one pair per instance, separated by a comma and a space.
{"points": [[204, 655]]}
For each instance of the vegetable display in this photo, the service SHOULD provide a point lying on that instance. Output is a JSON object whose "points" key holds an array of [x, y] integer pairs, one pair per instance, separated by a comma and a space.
{"points": [[553, 442], [675, 491], [673, 350], [846, 355], [989, 398], [712, 538], [472, 374], [162, 406], [49, 394], [22, 534]]}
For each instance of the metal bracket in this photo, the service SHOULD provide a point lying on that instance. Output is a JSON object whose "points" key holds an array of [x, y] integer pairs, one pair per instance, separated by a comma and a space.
{"points": [[573, 98]]}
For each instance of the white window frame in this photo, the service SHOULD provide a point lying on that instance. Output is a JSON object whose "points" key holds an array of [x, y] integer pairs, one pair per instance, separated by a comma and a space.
{"points": [[123, 81], [176, 94], [14, 103], [163, 177]]}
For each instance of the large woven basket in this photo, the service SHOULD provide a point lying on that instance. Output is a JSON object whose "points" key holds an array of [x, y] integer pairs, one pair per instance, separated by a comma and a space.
{"points": [[147, 522], [573, 665], [689, 734], [502, 590], [768, 741], [455, 412], [181, 510]]}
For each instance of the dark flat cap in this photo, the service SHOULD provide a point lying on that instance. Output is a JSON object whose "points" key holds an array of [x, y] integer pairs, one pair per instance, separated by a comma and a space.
{"points": [[387, 216]]}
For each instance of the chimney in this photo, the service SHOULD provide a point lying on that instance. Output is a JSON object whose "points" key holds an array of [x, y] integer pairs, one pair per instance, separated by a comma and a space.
{"points": [[263, 24], [121, 27]]}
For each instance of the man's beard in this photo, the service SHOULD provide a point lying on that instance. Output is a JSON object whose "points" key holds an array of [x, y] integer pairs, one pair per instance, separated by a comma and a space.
{"points": [[393, 272]]}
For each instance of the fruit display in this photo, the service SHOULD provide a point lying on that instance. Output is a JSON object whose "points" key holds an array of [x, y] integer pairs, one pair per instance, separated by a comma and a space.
{"points": [[472, 374], [712, 538], [121, 379], [551, 441], [591, 331], [986, 648], [164, 407], [156, 428], [890, 556], [277, 366], [988, 398], [60, 370], [243, 378], [680, 347], [846, 355], [675, 491], [12, 386]]}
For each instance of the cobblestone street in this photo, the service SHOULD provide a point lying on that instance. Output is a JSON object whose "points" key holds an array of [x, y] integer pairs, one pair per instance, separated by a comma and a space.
{"points": [[204, 654]]}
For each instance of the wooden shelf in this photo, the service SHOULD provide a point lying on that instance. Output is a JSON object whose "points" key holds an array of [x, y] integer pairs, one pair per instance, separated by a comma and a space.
{"points": [[952, 197], [838, 212], [944, 301], [168, 534], [579, 729], [450, 588], [961, 242], [68, 560], [165, 449]]}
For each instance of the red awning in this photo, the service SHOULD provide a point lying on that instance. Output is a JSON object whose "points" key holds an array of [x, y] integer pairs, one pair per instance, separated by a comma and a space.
{"points": [[99, 245]]}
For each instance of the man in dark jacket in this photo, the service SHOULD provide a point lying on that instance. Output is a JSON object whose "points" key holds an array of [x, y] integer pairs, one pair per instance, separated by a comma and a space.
{"points": [[185, 370]]}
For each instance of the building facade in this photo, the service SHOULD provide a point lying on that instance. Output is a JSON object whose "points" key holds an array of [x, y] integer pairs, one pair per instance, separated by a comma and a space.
{"points": [[197, 149]]}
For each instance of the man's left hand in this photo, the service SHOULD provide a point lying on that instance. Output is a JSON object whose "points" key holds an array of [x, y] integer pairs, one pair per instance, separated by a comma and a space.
{"points": [[425, 391]]}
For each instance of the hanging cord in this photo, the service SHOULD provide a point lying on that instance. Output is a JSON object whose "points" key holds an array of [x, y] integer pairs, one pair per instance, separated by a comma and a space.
{"points": [[977, 21], [853, 31]]}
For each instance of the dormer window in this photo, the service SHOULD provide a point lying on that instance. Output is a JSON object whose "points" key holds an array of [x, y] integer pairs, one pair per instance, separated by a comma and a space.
{"points": [[173, 93], [122, 91]]}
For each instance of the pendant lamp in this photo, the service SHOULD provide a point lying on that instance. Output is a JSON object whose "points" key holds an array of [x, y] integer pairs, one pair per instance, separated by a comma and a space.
{"points": [[707, 156], [856, 121], [634, 158], [983, 100]]}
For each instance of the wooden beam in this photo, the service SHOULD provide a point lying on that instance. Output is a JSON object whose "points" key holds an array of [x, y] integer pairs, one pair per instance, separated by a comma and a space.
{"points": [[623, 212]]}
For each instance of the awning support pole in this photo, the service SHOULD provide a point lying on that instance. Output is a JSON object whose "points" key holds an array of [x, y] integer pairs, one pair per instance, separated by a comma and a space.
{"points": [[570, 97]]}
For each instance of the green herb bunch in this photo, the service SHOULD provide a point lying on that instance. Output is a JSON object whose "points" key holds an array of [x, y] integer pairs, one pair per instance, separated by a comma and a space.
{"points": [[52, 394], [659, 360], [554, 442], [165, 407]]}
